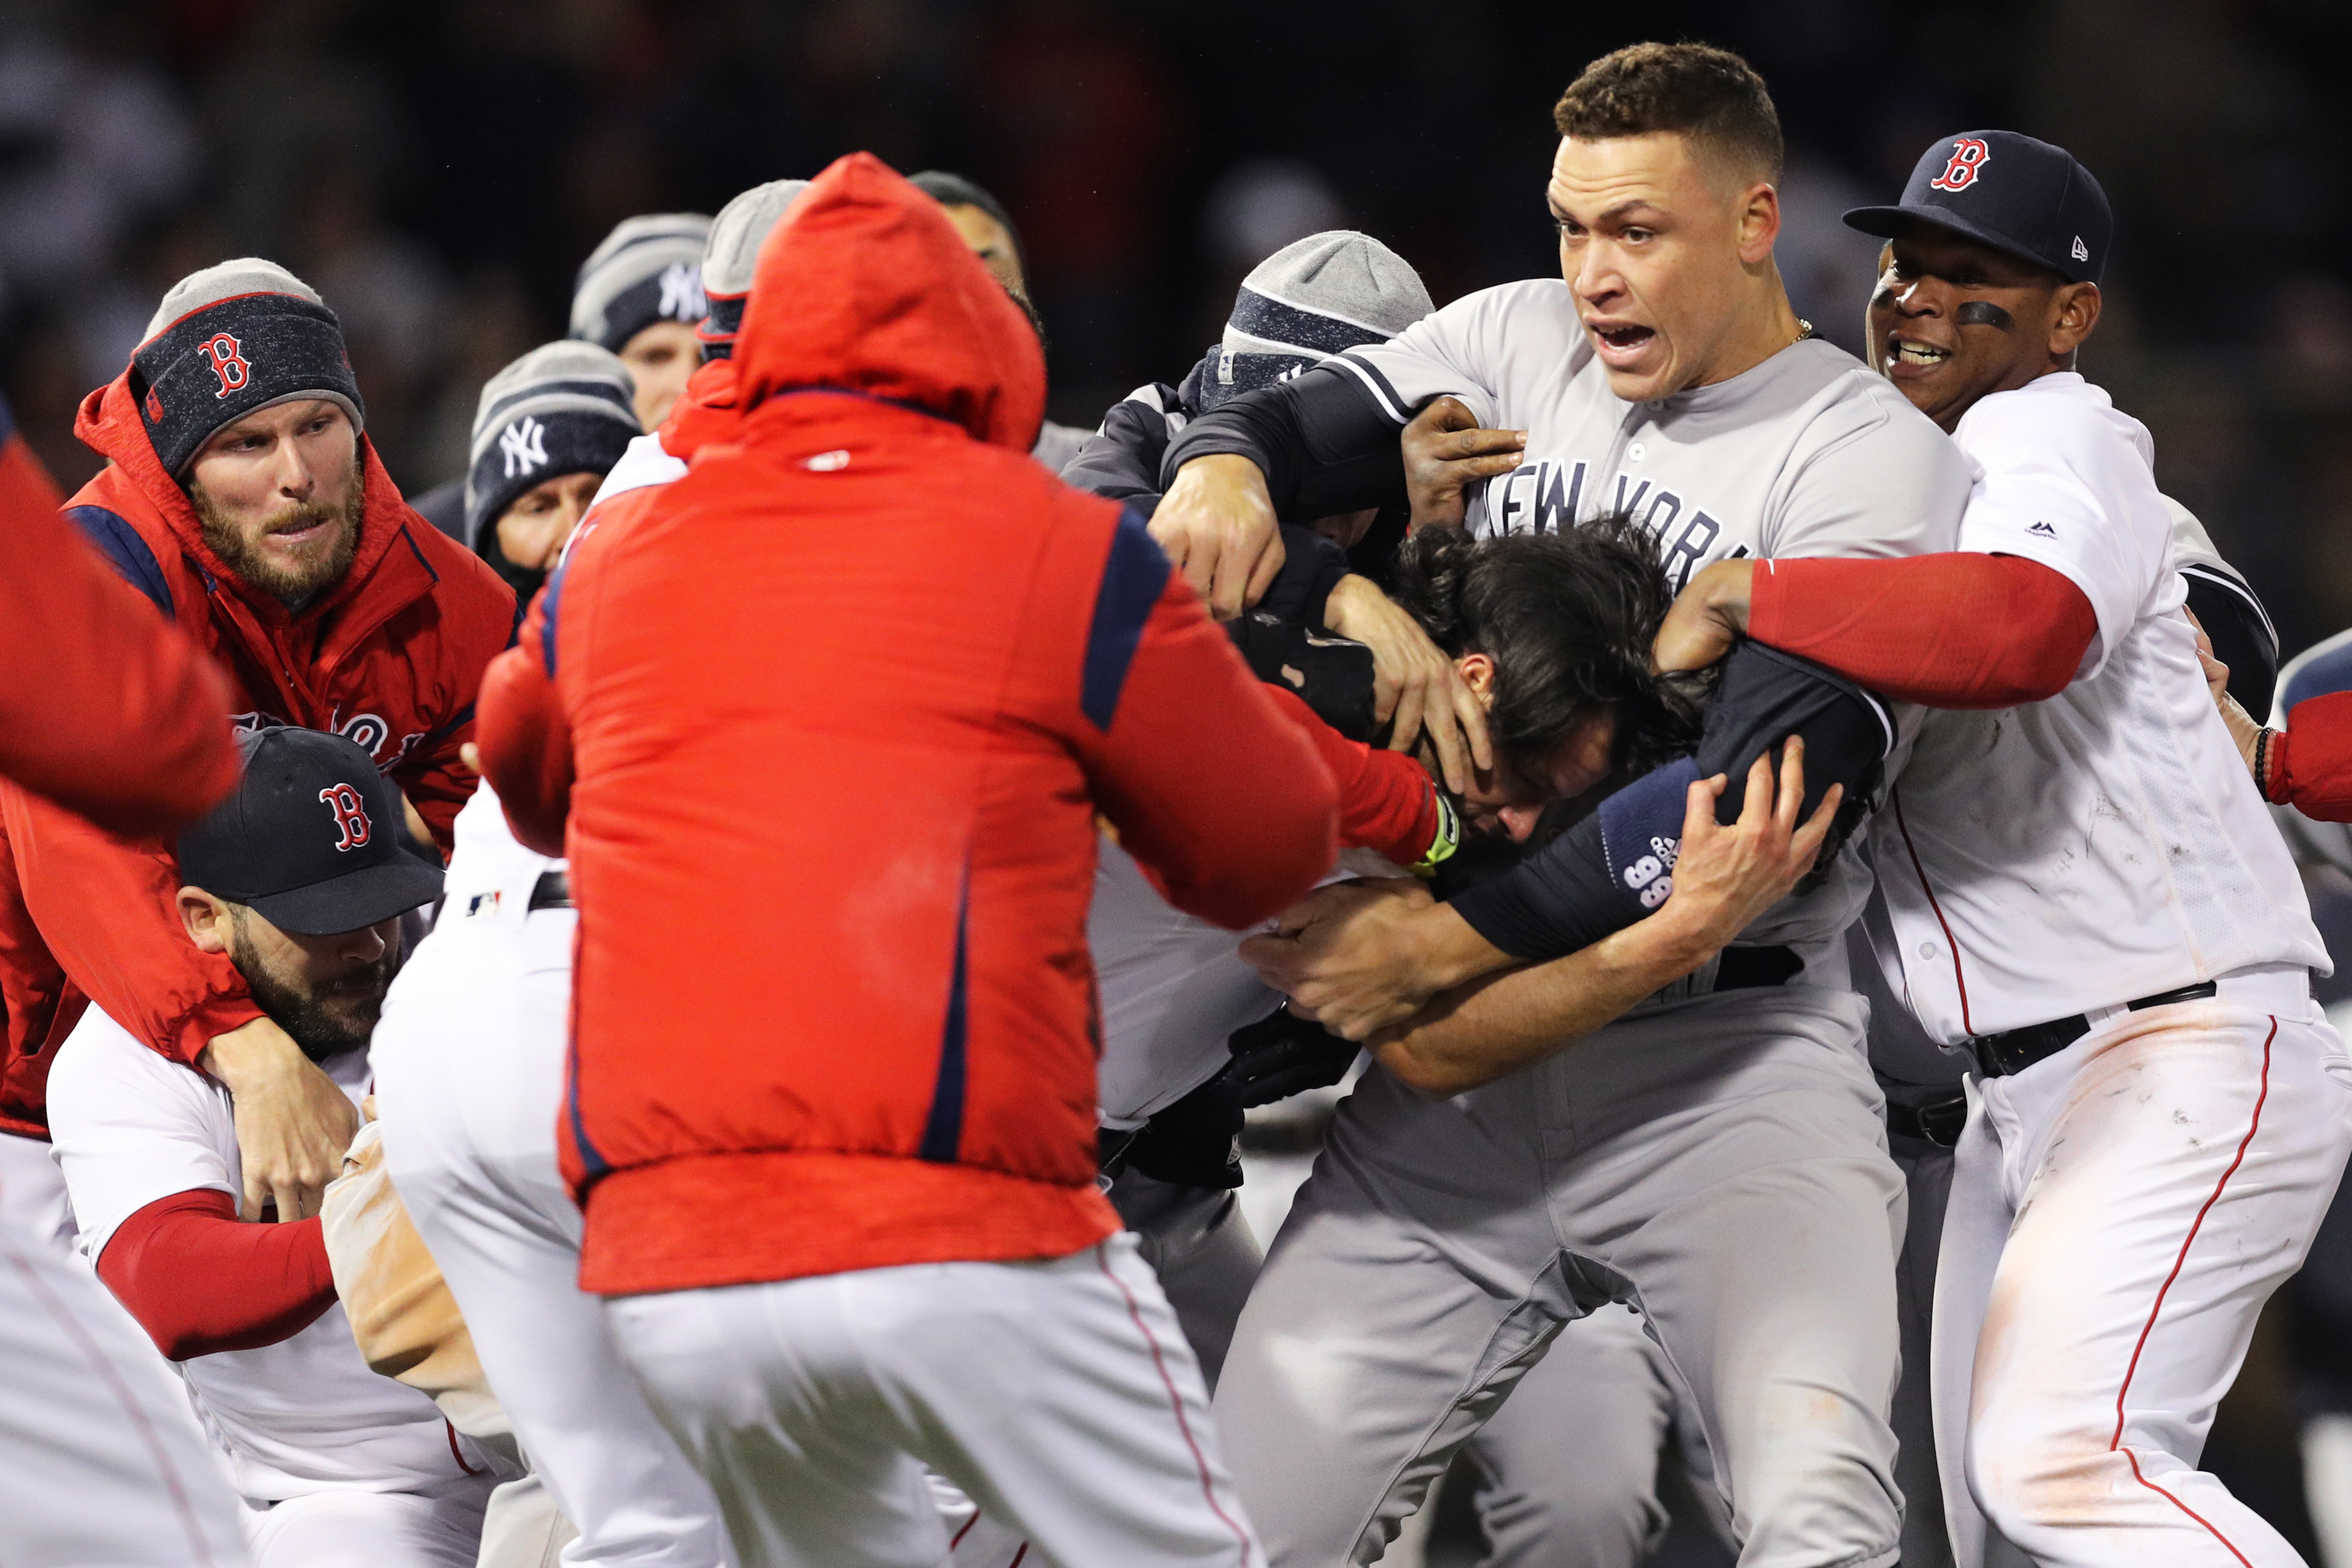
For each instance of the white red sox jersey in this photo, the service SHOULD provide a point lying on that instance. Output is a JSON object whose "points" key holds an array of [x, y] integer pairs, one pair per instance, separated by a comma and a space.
{"points": [[2106, 844], [305, 1415], [1809, 454]]}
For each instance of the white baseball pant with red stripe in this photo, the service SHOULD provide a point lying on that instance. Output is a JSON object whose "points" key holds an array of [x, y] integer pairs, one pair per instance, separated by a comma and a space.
{"points": [[2119, 1212], [101, 1461], [1059, 1394]]}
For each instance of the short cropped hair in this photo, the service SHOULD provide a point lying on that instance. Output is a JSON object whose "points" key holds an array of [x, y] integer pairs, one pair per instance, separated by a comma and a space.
{"points": [[1709, 95]]}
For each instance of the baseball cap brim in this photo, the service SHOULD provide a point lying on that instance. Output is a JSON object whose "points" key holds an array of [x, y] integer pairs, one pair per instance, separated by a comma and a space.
{"points": [[359, 898], [1886, 221]]}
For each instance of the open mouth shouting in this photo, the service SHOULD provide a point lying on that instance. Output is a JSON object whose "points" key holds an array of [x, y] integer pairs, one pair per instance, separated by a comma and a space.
{"points": [[1620, 344]]}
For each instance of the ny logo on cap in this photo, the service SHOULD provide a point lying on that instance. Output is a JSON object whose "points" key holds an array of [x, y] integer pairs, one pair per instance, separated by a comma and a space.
{"points": [[681, 286], [523, 443], [227, 357], [1969, 155], [351, 815]]}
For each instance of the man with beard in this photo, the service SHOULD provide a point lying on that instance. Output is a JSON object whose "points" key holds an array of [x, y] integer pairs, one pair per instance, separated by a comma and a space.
{"points": [[244, 501], [299, 882]]}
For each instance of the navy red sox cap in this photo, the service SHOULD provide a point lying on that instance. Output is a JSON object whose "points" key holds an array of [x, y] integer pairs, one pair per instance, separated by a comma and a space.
{"points": [[310, 839], [2013, 193]]}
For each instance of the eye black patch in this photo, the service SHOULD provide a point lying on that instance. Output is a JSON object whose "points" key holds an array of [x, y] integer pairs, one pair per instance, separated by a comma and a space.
{"points": [[1984, 313]]}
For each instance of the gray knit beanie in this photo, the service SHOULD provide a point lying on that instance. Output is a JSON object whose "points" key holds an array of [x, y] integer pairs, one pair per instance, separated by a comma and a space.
{"points": [[567, 407], [230, 339], [1308, 301], [648, 269], [732, 257]]}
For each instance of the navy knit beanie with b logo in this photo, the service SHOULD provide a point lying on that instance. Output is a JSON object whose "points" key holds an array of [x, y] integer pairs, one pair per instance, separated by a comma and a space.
{"points": [[230, 339]]}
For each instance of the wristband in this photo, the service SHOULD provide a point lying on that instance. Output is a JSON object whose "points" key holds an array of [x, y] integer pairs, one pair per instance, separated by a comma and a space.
{"points": [[2263, 761], [1447, 839]]}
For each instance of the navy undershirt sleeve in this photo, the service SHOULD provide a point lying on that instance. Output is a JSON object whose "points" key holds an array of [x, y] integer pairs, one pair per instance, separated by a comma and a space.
{"points": [[1617, 864], [1325, 446]]}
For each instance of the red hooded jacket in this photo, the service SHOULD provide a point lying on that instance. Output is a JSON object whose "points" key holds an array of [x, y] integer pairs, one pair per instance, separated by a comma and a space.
{"points": [[840, 712], [392, 657]]}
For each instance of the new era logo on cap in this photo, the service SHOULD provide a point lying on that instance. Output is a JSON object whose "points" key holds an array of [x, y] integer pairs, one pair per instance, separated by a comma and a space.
{"points": [[2081, 251]]}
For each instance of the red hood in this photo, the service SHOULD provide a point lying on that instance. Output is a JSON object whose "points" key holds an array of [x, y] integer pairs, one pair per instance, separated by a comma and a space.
{"points": [[706, 414], [865, 286], [108, 422]]}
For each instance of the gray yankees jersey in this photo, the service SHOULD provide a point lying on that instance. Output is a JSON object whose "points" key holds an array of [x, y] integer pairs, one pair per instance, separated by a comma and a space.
{"points": [[1809, 454]]}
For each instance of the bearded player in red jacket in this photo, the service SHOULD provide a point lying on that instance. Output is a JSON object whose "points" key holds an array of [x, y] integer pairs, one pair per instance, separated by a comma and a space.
{"points": [[244, 501], [831, 834]]}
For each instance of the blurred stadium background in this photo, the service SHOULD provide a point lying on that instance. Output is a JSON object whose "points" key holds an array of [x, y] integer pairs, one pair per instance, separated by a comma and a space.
{"points": [[438, 168]]}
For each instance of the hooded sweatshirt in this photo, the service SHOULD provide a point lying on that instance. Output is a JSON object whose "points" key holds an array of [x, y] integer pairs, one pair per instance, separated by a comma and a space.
{"points": [[391, 657], [831, 810]]}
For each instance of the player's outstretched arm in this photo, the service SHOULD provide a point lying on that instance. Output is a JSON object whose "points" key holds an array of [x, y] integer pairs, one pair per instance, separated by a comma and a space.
{"points": [[1728, 876]]}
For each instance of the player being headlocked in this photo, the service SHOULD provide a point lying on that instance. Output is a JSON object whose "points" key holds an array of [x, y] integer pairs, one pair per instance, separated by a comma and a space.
{"points": [[298, 881]]}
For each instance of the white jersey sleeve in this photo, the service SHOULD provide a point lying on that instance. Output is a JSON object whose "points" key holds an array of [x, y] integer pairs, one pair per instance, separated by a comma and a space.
{"points": [[2060, 481], [128, 1126], [1464, 351]]}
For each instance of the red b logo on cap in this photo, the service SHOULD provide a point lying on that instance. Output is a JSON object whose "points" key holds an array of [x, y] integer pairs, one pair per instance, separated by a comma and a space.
{"points": [[351, 814], [1969, 155], [227, 356]]}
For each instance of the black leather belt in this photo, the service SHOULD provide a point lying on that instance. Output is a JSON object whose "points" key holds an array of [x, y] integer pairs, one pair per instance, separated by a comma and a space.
{"points": [[1998, 1055], [1741, 967], [551, 891], [1938, 1122]]}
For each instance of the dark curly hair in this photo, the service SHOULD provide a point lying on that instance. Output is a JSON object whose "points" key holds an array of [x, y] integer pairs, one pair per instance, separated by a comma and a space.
{"points": [[1568, 619]]}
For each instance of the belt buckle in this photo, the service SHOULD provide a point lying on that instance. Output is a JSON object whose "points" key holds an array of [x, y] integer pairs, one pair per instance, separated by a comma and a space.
{"points": [[1941, 1122]]}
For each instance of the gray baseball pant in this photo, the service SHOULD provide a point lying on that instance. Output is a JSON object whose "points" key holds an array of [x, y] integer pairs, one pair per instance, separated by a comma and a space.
{"points": [[1719, 1163]]}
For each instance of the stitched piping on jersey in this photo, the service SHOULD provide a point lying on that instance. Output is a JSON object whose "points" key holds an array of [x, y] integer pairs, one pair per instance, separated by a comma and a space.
{"points": [[1377, 383], [2178, 1262], [2223, 580], [455, 1452], [112, 1377], [1920, 872], [1175, 1402]]}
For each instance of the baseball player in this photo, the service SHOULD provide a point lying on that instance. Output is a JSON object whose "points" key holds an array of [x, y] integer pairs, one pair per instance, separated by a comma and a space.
{"points": [[840, 1246], [1438, 1247], [100, 1459], [547, 430], [640, 295], [2082, 887], [298, 881], [244, 501], [468, 1064]]}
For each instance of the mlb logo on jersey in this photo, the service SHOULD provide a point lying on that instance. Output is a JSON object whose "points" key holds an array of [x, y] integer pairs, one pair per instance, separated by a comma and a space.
{"points": [[1969, 154]]}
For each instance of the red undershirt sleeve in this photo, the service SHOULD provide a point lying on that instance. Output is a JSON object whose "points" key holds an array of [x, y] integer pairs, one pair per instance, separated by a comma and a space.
{"points": [[2308, 764], [1387, 802], [1958, 631], [199, 1280]]}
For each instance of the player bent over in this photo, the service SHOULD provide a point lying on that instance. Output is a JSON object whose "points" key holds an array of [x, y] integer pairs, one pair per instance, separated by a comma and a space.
{"points": [[840, 1189], [299, 882], [2086, 891]]}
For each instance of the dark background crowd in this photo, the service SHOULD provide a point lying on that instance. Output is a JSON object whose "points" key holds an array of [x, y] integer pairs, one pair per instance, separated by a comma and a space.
{"points": [[438, 168]]}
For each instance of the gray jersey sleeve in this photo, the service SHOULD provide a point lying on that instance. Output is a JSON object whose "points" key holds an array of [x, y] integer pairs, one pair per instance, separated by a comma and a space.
{"points": [[1463, 350], [1870, 476]]}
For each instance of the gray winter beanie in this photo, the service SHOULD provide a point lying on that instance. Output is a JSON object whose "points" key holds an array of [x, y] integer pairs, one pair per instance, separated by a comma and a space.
{"points": [[1308, 301], [563, 408], [732, 259], [230, 339], [648, 269]]}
